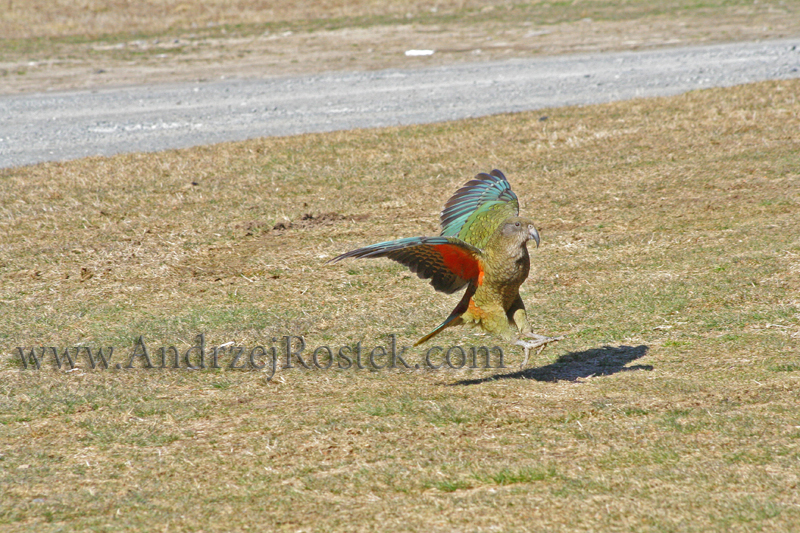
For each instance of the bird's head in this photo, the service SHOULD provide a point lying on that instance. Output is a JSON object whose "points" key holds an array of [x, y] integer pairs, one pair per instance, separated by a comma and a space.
{"points": [[520, 230]]}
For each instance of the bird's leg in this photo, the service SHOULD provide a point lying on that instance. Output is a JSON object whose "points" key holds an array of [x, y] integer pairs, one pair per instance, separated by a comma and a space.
{"points": [[520, 318], [540, 342]]}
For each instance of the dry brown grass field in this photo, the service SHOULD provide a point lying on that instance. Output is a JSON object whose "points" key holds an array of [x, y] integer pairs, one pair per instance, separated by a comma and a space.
{"points": [[670, 257], [47, 45]]}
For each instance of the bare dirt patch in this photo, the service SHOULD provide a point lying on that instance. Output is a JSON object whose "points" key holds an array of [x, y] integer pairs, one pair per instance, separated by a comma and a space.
{"points": [[308, 221]]}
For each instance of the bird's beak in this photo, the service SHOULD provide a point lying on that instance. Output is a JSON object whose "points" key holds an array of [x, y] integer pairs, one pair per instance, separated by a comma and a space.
{"points": [[533, 234]]}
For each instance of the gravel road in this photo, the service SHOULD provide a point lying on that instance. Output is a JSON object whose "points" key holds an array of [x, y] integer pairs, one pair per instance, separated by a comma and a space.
{"points": [[62, 126]]}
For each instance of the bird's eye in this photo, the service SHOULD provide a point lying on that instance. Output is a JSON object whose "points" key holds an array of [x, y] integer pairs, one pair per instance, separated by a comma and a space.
{"points": [[517, 224]]}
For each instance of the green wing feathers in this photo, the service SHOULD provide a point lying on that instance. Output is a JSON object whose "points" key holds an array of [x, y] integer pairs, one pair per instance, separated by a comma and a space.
{"points": [[448, 262], [477, 209]]}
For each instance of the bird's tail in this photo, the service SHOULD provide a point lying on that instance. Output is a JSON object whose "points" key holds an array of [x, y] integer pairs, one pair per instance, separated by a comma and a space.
{"points": [[455, 317]]}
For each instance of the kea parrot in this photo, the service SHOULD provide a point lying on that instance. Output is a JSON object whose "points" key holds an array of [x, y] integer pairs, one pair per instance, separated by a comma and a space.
{"points": [[483, 247]]}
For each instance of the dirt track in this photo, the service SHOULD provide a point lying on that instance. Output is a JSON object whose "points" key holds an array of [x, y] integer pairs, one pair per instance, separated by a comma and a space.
{"points": [[47, 127]]}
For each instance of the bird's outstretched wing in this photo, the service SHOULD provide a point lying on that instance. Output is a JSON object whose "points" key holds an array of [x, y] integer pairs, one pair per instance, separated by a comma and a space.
{"points": [[448, 262], [476, 210]]}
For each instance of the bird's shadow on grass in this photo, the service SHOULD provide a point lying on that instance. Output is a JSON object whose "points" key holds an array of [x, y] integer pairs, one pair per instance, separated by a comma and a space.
{"points": [[574, 365]]}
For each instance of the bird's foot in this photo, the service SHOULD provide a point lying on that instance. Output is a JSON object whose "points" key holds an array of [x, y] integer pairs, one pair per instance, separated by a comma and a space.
{"points": [[540, 341]]}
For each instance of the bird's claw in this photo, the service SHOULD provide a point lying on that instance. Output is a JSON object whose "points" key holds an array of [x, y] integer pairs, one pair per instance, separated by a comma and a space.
{"points": [[540, 341]]}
